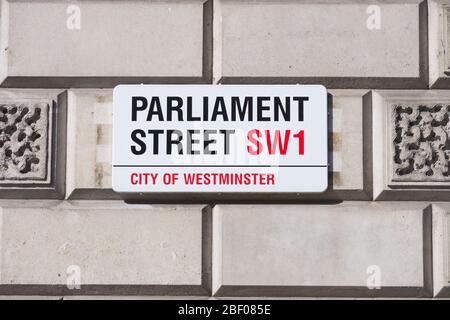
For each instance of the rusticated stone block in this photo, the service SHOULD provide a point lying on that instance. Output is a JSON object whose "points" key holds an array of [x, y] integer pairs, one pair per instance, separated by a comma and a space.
{"points": [[89, 144], [23, 142], [331, 43], [439, 58], [356, 249], [104, 43], [92, 247], [349, 143], [441, 249]]}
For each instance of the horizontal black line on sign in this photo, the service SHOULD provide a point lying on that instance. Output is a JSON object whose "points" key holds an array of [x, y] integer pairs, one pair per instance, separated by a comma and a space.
{"points": [[213, 166]]}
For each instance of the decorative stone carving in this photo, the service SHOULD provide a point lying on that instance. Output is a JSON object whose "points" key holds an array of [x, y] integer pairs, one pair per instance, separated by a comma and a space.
{"points": [[446, 41], [23, 142], [421, 142]]}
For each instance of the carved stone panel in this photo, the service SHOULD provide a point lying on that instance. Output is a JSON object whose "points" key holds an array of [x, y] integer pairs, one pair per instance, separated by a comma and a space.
{"points": [[24, 142], [32, 143], [421, 142]]}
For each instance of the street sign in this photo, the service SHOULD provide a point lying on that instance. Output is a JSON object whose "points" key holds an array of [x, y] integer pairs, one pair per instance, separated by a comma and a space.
{"points": [[220, 138]]}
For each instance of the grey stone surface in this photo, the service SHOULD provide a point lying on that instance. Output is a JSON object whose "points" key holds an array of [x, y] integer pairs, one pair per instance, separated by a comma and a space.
{"points": [[153, 249], [438, 26], [383, 144], [320, 250], [91, 42], [441, 251], [307, 41], [348, 142], [89, 144]]}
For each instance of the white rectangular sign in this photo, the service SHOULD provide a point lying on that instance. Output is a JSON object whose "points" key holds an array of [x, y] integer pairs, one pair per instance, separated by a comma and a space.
{"points": [[220, 138]]}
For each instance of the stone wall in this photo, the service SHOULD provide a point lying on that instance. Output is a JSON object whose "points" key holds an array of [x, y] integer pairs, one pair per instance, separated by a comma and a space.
{"points": [[380, 230]]}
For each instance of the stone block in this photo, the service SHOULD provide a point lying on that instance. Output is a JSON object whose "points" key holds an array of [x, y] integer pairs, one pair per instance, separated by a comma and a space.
{"points": [[105, 247], [441, 253], [439, 59], [353, 249], [349, 145], [411, 148], [340, 44], [89, 143], [101, 44], [32, 143]]}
